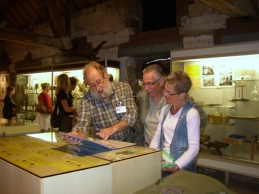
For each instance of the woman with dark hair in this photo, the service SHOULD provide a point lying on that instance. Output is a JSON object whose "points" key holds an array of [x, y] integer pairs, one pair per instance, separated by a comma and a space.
{"points": [[64, 103], [110, 77], [73, 83], [9, 109]]}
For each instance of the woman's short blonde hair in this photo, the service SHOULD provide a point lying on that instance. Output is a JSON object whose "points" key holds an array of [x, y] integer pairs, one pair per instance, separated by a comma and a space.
{"points": [[44, 86], [180, 81]]}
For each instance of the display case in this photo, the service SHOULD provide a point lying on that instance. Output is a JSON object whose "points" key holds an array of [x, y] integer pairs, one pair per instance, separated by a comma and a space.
{"points": [[225, 80], [29, 80], [4, 80], [28, 87]]}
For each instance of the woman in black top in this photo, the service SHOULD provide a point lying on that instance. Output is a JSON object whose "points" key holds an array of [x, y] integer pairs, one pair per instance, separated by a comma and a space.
{"points": [[73, 83], [9, 109], [64, 103]]}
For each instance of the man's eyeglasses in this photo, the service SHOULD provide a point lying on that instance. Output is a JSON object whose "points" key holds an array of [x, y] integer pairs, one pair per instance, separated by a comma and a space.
{"points": [[96, 84], [150, 84], [170, 93]]}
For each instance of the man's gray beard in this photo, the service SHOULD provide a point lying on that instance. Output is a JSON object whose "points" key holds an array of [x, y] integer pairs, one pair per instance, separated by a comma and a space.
{"points": [[107, 92]]}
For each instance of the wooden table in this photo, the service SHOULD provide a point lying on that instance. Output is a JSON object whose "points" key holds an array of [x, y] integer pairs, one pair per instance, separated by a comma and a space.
{"points": [[186, 182]]}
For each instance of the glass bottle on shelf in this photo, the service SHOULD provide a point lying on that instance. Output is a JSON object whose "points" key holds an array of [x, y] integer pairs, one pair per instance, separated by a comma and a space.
{"points": [[35, 105], [239, 93], [23, 107], [254, 96], [21, 119], [28, 106]]}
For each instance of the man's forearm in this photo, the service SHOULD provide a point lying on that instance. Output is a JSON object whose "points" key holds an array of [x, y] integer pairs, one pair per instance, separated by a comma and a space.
{"points": [[120, 126]]}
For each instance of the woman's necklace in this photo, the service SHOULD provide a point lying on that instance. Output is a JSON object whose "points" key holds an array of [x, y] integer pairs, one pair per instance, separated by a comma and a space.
{"points": [[173, 110]]}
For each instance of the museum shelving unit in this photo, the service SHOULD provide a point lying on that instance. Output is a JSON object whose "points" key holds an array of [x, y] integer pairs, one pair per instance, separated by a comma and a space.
{"points": [[225, 80]]}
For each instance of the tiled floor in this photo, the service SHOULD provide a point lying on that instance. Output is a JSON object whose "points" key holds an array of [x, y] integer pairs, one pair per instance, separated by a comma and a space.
{"points": [[236, 183]]}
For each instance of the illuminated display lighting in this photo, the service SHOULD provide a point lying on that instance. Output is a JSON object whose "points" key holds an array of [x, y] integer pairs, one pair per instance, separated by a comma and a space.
{"points": [[167, 59]]}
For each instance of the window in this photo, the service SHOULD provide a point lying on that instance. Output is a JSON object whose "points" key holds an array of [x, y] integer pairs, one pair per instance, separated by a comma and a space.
{"points": [[158, 15]]}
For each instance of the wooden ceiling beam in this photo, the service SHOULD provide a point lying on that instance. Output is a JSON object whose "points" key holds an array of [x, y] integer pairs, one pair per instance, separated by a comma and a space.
{"points": [[21, 16], [74, 3], [52, 27], [61, 3], [9, 22], [58, 23], [233, 8], [14, 18], [68, 17], [25, 10], [23, 37], [7, 6], [35, 18], [87, 3]]}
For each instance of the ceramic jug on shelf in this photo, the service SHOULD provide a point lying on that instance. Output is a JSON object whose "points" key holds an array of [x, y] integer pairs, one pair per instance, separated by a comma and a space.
{"points": [[254, 94]]}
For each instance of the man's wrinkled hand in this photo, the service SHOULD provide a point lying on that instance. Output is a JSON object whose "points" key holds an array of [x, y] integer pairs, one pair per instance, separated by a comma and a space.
{"points": [[105, 133], [77, 134]]}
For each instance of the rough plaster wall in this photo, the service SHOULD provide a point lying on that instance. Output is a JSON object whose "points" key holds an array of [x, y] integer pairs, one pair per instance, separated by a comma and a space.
{"points": [[106, 17], [128, 73], [106, 22], [197, 28], [103, 22]]}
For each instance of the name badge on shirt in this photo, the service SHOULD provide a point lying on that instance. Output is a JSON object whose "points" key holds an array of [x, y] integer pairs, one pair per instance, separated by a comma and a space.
{"points": [[121, 109]]}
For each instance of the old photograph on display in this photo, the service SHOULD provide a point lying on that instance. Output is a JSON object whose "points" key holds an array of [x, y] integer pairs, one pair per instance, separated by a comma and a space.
{"points": [[216, 75], [225, 75], [208, 70], [208, 76], [208, 81], [225, 80]]}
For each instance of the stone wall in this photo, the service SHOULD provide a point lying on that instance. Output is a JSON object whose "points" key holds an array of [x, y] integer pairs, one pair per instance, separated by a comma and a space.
{"points": [[197, 28], [108, 21], [117, 21]]}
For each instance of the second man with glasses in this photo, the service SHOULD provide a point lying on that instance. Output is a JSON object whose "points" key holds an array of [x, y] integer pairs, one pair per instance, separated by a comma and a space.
{"points": [[149, 103]]}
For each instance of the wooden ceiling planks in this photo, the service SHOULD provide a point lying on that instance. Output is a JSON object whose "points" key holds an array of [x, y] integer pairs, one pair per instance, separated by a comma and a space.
{"points": [[19, 14], [233, 8], [22, 15]]}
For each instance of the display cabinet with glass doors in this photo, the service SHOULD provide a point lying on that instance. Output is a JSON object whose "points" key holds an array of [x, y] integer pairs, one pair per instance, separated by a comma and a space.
{"points": [[29, 80], [225, 81], [28, 88]]}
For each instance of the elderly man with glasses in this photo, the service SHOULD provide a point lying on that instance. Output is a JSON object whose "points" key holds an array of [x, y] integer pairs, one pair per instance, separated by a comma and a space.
{"points": [[149, 103], [108, 106]]}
